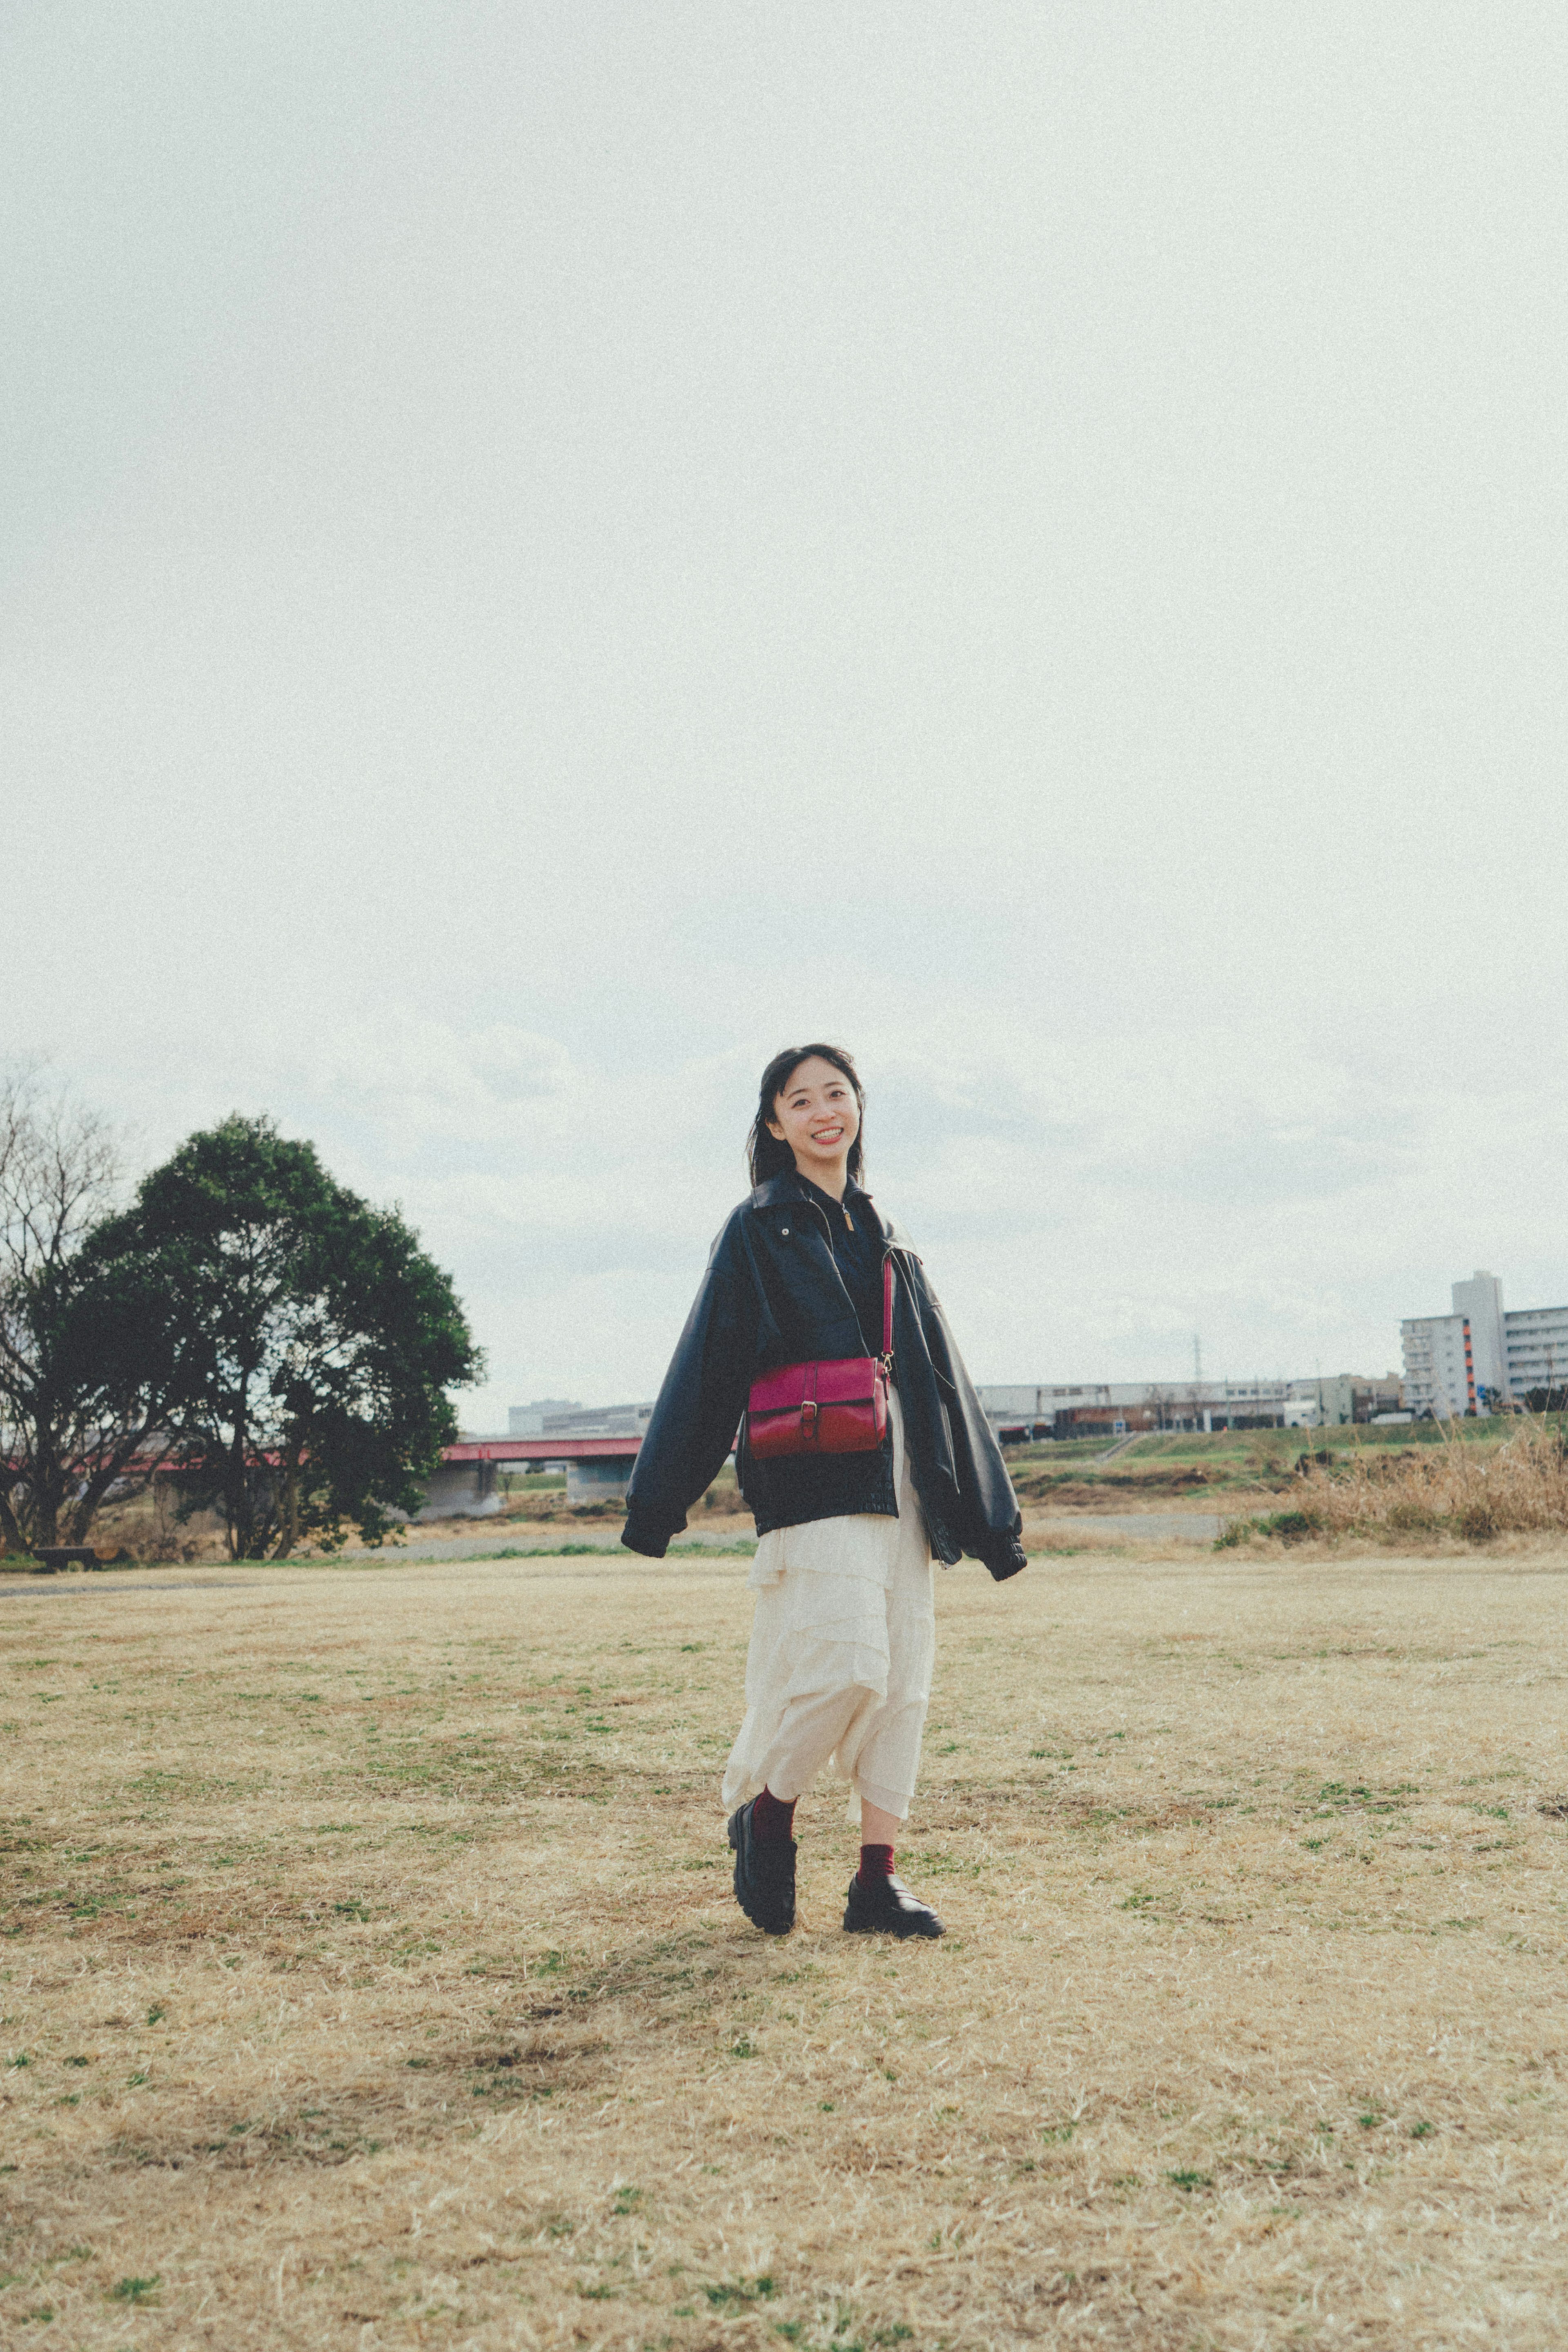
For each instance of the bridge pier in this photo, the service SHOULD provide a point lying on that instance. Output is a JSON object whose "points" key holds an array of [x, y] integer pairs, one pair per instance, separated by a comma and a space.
{"points": [[465, 1486], [461, 1490], [598, 1482]]}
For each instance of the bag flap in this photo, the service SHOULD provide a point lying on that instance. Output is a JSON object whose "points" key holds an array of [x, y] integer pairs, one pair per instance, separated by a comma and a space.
{"points": [[841, 1380]]}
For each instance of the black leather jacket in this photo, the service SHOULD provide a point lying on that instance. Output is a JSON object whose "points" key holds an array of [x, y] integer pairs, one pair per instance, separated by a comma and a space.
{"points": [[773, 1295]]}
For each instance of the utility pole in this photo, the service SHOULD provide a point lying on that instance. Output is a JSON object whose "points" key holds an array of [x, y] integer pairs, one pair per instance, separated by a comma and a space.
{"points": [[1197, 1359]]}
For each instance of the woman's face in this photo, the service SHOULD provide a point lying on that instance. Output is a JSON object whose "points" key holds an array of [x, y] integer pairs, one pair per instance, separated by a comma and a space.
{"points": [[815, 1113]]}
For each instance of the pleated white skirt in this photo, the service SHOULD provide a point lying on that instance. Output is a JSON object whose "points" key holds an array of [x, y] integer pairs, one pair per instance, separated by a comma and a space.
{"points": [[842, 1642]]}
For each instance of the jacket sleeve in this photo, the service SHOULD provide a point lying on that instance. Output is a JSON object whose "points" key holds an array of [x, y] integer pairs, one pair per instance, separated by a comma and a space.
{"points": [[698, 1411], [989, 1525]]}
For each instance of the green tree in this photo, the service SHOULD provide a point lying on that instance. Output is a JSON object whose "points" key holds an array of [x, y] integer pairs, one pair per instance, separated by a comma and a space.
{"points": [[305, 1342]]}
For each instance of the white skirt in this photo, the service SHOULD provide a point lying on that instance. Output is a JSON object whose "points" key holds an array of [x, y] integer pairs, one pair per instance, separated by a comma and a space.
{"points": [[843, 1642]]}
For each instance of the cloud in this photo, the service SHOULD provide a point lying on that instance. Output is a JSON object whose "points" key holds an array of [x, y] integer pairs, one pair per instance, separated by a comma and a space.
{"points": [[560, 553], [1083, 1209]]}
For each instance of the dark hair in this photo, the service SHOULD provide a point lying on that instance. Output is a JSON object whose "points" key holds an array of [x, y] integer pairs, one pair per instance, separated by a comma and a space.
{"points": [[768, 1155]]}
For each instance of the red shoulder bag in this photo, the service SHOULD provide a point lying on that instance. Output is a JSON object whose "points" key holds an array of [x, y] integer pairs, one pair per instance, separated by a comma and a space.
{"points": [[838, 1405]]}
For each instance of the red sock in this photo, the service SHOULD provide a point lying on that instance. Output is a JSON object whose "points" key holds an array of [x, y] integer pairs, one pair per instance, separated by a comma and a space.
{"points": [[876, 1861], [771, 1817]]}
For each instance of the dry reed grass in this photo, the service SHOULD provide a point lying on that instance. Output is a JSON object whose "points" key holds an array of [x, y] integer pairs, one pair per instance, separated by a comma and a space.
{"points": [[1456, 1489], [368, 1944]]}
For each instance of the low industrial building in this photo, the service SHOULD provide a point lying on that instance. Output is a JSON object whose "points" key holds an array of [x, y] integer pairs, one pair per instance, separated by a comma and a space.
{"points": [[1125, 1409], [529, 1419]]}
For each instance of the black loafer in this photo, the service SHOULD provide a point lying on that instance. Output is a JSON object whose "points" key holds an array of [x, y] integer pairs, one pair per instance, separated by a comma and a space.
{"points": [[886, 1907], [764, 1875]]}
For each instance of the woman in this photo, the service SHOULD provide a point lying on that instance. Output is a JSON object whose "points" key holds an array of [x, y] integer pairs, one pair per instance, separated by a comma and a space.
{"points": [[844, 1631]]}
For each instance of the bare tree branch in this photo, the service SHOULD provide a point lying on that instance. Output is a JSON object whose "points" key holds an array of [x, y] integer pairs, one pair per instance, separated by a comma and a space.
{"points": [[61, 1172]]}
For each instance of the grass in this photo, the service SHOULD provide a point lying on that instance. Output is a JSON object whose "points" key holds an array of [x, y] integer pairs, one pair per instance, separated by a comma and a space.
{"points": [[1456, 1489], [1062, 1449], [1281, 1447], [1229, 1467], [1150, 1471], [147, 1530], [355, 1990]]}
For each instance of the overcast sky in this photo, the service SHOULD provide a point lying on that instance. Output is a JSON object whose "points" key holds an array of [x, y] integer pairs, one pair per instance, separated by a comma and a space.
{"points": [[550, 552]]}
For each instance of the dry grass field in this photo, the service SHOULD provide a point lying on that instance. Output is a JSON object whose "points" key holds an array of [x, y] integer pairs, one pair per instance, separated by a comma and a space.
{"points": [[370, 1976]]}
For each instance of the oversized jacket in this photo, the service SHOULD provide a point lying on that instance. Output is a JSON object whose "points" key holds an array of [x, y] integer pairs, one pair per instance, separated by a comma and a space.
{"points": [[773, 1295]]}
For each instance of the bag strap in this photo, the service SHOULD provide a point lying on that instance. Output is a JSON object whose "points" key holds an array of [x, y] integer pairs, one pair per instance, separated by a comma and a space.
{"points": [[888, 1307]]}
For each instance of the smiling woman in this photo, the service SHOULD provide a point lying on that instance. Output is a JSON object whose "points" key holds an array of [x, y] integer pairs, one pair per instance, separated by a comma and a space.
{"points": [[810, 1114], [862, 1451]]}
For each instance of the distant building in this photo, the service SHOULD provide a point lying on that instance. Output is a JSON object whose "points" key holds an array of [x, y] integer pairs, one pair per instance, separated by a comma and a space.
{"points": [[1480, 1358], [528, 1420], [1479, 1301], [586, 1482], [1537, 1340], [598, 1421], [1125, 1409], [1439, 1367], [598, 1482], [1336, 1399]]}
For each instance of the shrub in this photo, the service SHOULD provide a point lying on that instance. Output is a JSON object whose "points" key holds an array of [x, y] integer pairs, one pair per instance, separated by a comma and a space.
{"points": [[1453, 1488], [1285, 1526], [1293, 1527]]}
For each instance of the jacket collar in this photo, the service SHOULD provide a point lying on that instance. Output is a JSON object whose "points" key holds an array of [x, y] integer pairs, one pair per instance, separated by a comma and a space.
{"points": [[776, 1189], [787, 1190], [793, 1186]]}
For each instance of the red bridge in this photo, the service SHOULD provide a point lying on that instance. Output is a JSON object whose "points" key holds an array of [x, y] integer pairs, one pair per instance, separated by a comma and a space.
{"points": [[596, 1469], [541, 1449], [465, 1485]]}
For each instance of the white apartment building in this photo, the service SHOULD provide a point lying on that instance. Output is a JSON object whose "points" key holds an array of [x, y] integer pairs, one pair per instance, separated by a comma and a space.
{"points": [[1439, 1372], [1479, 1301], [1537, 1348], [1480, 1356]]}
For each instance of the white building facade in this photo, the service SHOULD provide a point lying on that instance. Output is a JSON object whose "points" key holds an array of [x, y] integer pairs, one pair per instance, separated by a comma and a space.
{"points": [[529, 1419], [1481, 1357], [1439, 1371], [1479, 1301], [1537, 1339]]}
